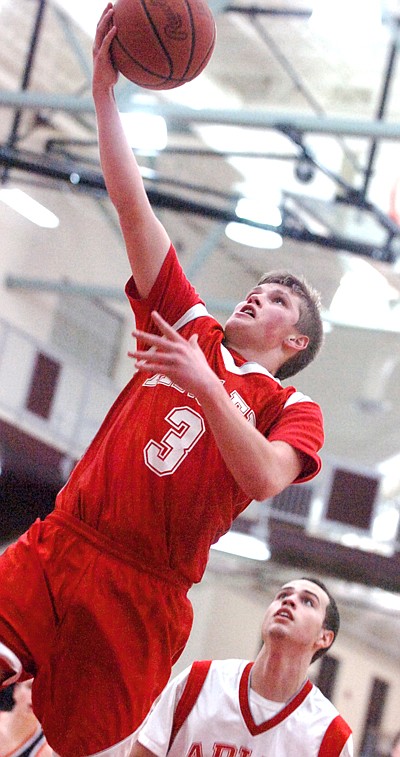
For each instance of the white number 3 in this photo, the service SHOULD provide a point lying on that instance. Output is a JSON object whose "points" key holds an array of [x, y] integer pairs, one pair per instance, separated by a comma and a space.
{"points": [[165, 457]]}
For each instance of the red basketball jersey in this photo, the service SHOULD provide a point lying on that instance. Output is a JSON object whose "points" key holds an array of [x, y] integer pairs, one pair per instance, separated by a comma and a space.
{"points": [[153, 478]]}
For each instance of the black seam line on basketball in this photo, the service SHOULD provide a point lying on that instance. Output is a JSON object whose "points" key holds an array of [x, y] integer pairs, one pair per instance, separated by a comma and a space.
{"points": [[199, 67], [155, 30], [186, 80], [138, 63], [206, 57], [193, 38]]}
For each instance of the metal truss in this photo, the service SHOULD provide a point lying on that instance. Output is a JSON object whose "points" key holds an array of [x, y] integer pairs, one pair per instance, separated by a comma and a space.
{"points": [[64, 161]]}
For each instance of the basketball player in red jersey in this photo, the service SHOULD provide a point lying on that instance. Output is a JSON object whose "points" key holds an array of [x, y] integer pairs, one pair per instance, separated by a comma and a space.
{"points": [[237, 708], [203, 428]]}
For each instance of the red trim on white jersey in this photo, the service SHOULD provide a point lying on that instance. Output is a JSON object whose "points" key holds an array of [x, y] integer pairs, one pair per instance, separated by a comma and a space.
{"points": [[279, 717], [194, 684], [335, 737]]}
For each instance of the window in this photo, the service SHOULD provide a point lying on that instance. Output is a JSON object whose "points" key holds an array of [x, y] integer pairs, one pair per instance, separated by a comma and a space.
{"points": [[43, 385], [351, 499]]}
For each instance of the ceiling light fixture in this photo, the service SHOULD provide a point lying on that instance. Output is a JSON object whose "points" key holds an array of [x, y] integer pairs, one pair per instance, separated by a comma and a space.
{"points": [[360, 286], [29, 208], [145, 131], [336, 20], [242, 545], [260, 211]]}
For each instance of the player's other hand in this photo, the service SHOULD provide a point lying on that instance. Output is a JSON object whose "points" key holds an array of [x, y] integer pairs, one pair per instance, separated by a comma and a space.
{"points": [[182, 360], [105, 75]]}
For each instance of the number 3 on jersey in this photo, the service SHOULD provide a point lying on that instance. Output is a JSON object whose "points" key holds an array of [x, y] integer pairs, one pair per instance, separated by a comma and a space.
{"points": [[164, 457]]}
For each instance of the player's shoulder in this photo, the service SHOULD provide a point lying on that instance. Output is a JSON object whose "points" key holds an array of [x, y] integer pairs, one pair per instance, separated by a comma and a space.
{"points": [[227, 672], [295, 401], [322, 703], [338, 730]]}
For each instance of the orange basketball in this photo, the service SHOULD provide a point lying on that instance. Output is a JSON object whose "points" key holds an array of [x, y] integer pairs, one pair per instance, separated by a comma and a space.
{"points": [[161, 44]]}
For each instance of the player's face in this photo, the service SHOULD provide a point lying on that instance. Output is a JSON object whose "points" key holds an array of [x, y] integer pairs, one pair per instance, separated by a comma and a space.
{"points": [[266, 317], [297, 615]]}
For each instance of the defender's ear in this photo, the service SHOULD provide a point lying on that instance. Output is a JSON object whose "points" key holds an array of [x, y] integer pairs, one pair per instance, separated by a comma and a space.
{"points": [[326, 639], [297, 341]]}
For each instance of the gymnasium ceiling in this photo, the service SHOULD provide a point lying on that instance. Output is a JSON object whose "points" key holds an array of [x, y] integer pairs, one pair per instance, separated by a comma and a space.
{"points": [[303, 116]]}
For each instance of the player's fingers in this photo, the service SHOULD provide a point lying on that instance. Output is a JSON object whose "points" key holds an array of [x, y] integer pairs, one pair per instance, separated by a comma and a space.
{"points": [[106, 11], [145, 354], [153, 339], [165, 327], [142, 355], [103, 21], [103, 28]]}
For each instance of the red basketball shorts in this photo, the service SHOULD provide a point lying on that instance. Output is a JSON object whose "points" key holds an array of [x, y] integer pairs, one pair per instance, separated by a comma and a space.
{"points": [[98, 634]]}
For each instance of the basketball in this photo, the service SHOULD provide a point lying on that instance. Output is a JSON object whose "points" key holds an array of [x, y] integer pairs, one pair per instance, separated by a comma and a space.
{"points": [[162, 44]]}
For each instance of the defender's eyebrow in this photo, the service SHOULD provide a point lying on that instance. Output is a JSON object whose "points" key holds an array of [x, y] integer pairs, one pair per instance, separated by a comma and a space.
{"points": [[305, 591]]}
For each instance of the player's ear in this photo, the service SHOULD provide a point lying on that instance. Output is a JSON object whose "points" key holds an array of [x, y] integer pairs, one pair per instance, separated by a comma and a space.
{"points": [[297, 341], [325, 639]]}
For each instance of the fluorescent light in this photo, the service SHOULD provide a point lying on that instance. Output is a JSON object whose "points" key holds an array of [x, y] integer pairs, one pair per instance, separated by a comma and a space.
{"points": [[145, 131], [201, 94], [258, 211], [360, 285], [253, 237], [385, 524], [337, 19], [29, 208], [242, 545]]}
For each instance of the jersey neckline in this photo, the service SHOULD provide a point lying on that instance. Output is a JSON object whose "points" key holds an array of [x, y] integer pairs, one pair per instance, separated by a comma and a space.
{"points": [[266, 725]]}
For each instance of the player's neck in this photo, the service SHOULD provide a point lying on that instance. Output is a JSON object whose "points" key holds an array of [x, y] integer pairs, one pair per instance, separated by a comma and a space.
{"points": [[268, 359], [278, 677], [17, 731]]}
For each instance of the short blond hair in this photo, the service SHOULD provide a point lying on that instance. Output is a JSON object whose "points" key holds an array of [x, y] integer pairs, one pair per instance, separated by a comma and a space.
{"points": [[310, 321]]}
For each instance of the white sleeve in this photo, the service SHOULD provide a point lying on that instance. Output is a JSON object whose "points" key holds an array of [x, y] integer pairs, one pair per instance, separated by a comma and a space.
{"points": [[347, 750], [155, 731]]}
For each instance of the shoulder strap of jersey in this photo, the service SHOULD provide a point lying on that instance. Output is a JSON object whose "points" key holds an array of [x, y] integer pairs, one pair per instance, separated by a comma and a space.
{"points": [[193, 686], [335, 738]]}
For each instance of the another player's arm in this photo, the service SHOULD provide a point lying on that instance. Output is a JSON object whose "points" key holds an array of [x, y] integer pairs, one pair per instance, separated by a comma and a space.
{"points": [[260, 467], [146, 240]]}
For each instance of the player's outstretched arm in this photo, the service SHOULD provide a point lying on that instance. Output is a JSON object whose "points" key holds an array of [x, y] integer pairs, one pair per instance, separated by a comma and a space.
{"points": [[146, 240], [261, 468]]}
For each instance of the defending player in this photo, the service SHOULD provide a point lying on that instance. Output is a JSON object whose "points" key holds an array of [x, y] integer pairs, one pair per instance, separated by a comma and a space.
{"points": [[203, 427], [235, 708], [20, 732]]}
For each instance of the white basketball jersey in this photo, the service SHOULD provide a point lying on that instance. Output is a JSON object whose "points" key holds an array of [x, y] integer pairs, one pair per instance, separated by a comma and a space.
{"points": [[223, 721]]}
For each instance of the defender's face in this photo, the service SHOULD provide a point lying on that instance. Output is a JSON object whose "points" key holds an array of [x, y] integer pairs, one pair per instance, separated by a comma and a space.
{"points": [[297, 614], [265, 318]]}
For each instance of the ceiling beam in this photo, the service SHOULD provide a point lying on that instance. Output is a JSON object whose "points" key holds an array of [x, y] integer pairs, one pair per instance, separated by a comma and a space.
{"points": [[291, 226], [261, 119], [64, 287]]}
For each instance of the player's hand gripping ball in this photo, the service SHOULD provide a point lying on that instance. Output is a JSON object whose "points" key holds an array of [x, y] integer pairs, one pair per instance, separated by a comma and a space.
{"points": [[161, 44]]}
